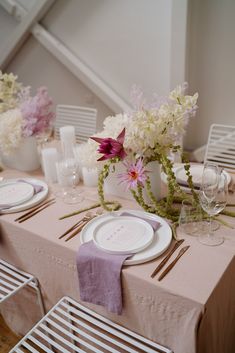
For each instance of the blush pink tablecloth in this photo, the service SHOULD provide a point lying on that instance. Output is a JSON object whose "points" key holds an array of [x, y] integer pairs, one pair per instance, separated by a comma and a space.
{"points": [[191, 310]]}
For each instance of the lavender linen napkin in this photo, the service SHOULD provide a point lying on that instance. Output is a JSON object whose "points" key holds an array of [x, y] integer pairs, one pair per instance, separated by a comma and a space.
{"points": [[99, 273], [37, 188]]}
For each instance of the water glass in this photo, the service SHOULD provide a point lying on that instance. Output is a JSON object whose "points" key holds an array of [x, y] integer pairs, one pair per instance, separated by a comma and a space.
{"points": [[190, 218], [70, 171]]}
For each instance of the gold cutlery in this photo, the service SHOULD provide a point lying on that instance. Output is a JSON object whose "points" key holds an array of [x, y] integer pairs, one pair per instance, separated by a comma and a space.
{"points": [[164, 261], [35, 211], [172, 264], [78, 228], [85, 218]]}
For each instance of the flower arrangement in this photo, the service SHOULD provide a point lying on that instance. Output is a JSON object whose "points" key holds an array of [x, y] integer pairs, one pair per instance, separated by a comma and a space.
{"points": [[21, 115], [149, 133]]}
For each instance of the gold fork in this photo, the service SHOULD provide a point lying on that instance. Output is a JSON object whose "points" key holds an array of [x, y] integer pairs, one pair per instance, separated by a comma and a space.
{"points": [[85, 218], [80, 227]]}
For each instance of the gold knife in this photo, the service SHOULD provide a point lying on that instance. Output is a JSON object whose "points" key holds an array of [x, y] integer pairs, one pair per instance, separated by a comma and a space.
{"points": [[172, 264], [164, 261], [36, 212], [34, 209]]}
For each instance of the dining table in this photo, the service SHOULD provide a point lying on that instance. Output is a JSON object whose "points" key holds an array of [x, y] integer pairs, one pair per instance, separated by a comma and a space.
{"points": [[191, 310]]}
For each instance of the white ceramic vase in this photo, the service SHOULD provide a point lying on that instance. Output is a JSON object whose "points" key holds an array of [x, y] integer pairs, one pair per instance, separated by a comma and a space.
{"points": [[25, 158], [112, 183]]}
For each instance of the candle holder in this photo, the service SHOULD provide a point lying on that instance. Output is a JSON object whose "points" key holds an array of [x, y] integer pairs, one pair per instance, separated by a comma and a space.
{"points": [[90, 176]]}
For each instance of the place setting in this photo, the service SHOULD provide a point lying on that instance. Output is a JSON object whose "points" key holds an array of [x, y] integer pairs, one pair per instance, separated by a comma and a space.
{"points": [[143, 235], [196, 171], [20, 194], [113, 240]]}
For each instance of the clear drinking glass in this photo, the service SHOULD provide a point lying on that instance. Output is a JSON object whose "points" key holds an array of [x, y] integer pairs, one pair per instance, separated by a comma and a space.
{"points": [[190, 218], [213, 199], [70, 171], [210, 174]]}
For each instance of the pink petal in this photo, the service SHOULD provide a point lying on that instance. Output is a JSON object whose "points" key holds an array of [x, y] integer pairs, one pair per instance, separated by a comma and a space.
{"points": [[121, 136], [97, 139]]}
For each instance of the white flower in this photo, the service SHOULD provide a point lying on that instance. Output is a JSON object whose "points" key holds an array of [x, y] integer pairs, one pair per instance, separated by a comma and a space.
{"points": [[147, 130], [10, 130], [113, 125]]}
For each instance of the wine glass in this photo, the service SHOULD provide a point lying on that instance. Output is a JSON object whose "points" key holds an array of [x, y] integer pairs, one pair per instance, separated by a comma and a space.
{"points": [[213, 199], [210, 174], [70, 171]]}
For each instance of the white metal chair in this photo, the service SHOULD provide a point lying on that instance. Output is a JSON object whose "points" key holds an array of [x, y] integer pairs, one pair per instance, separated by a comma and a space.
{"points": [[221, 146], [82, 118], [12, 280], [70, 327]]}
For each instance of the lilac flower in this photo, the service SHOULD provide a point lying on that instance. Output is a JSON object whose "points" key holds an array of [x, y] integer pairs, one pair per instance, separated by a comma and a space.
{"points": [[110, 147], [135, 174], [36, 111]]}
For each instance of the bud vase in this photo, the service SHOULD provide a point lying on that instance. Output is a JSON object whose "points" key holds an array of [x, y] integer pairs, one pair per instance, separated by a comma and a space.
{"points": [[25, 158], [112, 182]]}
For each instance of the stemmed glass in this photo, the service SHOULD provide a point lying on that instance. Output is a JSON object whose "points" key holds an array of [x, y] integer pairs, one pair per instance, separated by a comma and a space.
{"points": [[70, 170], [213, 199]]}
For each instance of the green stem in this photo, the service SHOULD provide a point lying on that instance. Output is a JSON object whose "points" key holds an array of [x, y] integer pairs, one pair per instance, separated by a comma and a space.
{"points": [[116, 206]]}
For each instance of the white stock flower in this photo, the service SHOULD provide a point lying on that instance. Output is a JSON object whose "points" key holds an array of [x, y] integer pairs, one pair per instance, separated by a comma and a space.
{"points": [[146, 129], [10, 130]]}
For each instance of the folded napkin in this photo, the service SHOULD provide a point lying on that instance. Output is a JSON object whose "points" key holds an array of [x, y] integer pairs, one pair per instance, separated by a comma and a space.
{"points": [[37, 188], [99, 273], [99, 277]]}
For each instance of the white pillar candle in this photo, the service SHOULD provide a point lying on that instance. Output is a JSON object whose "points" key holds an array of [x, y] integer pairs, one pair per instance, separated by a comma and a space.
{"points": [[49, 159], [90, 176], [67, 137]]}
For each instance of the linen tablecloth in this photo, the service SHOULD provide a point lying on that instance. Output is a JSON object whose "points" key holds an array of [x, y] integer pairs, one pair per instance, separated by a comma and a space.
{"points": [[191, 310]]}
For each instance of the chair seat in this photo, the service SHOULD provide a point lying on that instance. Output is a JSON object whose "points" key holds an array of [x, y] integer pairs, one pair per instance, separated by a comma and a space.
{"points": [[70, 327], [12, 280]]}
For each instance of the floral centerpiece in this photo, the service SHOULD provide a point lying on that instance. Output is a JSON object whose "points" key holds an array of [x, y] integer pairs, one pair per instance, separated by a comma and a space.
{"points": [[150, 133], [21, 115]]}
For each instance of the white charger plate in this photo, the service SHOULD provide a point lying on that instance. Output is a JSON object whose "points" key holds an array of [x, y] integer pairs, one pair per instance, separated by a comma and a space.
{"points": [[196, 171], [160, 243], [35, 199], [15, 193], [123, 235]]}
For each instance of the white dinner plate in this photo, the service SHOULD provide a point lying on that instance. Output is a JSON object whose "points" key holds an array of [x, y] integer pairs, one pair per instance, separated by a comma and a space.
{"points": [[123, 235], [15, 193], [196, 171], [35, 199], [161, 239]]}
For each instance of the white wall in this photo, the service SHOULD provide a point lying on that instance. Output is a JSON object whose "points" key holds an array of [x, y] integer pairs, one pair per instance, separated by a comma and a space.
{"points": [[36, 67], [143, 42], [211, 63], [7, 26], [124, 41]]}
